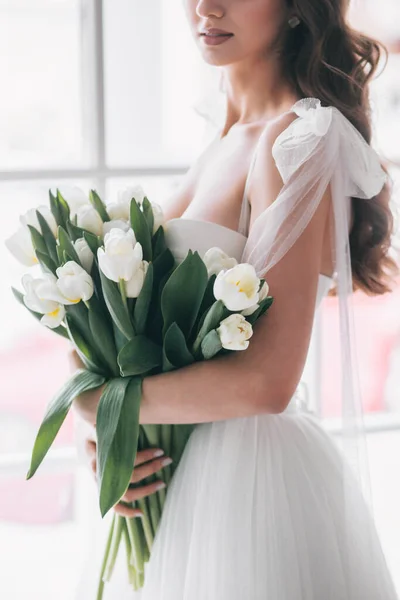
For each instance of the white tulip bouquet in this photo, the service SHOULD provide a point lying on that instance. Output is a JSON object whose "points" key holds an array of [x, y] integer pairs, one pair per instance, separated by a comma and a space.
{"points": [[109, 283]]}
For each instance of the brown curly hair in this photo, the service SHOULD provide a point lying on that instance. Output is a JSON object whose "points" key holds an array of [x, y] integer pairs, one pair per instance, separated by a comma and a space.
{"points": [[325, 58]]}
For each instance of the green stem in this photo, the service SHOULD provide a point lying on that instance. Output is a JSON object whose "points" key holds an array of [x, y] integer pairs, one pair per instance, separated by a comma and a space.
{"points": [[115, 542], [135, 539], [100, 588], [146, 523], [122, 289], [154, 508], [131, 569]]}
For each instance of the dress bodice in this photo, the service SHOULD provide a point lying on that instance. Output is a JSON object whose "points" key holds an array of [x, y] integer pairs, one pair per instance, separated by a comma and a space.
{"points": [[182, 235]]}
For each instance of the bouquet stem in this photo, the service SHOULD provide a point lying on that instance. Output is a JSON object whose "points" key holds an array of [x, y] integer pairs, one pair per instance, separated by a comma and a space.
{"points": [[147, 527], [137, 557], [115, 542], [100, 588]]}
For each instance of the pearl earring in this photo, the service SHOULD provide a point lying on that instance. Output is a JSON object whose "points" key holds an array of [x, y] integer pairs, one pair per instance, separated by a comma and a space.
{"points": [[293, 22]]}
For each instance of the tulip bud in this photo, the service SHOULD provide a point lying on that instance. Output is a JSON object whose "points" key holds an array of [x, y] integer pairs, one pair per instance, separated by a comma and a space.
{"points": [[216, 260], [21, 247], [34, 298], [30, 218], [234, 331], [115, 224], [84, 253], [74, 283], [134, 285], [237, 287], [88, 218], [121, 255]]}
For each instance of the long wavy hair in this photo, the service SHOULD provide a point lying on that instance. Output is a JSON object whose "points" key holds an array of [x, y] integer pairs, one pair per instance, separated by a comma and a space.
{"points": [[325, 58]]}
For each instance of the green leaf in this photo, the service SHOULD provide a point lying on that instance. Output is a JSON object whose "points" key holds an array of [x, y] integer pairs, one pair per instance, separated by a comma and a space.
{"points": [[175, 349], [37, 240], [60, 330], [216, 313], [85, 352], [104, 340], [208, 298], [141, 230], [148, 213], [46, 262], [67, 246], [99, 205], [211, 345], [74, 231], [93, 241], [63, 208], [158, 243], [116, 306], [60, 256], [183, 293], [79, 314], [139, 356], [48, 237], [117, 427], [264, 306], [55, 209], [143, 301], [81, 381]]}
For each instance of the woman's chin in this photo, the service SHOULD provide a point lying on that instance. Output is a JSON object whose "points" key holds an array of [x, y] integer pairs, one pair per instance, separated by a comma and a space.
{"points": [[214, 59]]}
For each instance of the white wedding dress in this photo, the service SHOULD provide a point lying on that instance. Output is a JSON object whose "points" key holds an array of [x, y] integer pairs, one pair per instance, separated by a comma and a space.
{"points": [[255, 508]]}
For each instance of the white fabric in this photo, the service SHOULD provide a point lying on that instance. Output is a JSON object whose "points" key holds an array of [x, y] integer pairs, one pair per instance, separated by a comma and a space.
{"points": [[267, 507]]}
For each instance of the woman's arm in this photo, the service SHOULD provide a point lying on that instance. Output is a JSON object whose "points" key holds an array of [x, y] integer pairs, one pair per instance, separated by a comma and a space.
{"points": [[263, 378]]}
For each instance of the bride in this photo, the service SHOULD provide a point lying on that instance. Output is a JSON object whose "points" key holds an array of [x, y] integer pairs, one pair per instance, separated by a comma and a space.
{"points": [[264, 504]]}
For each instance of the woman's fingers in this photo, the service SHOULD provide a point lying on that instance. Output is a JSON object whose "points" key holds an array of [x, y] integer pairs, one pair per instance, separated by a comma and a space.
{"points": [[133, 494], [143, 456], [127, 511], [147, 469]]}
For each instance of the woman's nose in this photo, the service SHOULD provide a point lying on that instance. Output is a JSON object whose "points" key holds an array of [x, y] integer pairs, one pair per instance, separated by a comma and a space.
{"points": [[205, 8]]}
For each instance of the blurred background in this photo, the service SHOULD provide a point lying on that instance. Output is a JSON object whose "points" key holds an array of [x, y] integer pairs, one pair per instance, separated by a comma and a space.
{"points": [[101, 94]]}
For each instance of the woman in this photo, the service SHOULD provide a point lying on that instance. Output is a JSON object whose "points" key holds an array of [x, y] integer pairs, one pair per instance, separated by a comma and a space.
{"points": [[256, 508]]}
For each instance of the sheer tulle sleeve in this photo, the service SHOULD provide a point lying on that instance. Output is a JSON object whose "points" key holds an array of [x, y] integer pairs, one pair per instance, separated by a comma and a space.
{"points": [[319, 148]]}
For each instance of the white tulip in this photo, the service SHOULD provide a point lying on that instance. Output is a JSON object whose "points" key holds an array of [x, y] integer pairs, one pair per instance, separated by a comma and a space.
{"points": [[115, 224], [74, 283], [134, 191], [21, 247], [34, 298], [75, 198], [118, 211], [234, 331], [55, 318], [159, 217], [217, 260], [121, 255], [30, 218], [262, 295], [134, 286], [237, 287], [84, 253], [53, 312], [88, 218], [121, 208]]}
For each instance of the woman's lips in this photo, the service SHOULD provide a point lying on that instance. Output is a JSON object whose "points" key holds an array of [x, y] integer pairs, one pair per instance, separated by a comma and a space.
{"points": [[215, 39]]}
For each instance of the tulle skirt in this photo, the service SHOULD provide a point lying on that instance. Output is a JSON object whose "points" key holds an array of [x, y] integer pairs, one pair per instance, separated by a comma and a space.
{"points": [[255, 512]]}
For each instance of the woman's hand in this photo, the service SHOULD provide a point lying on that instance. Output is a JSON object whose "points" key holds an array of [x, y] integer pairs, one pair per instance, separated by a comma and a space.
{"points": [[147, 463]]}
